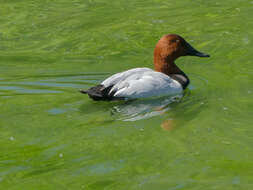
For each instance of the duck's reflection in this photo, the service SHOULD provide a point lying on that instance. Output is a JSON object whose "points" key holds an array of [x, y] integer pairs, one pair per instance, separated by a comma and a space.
{"points": [[142, 109]]}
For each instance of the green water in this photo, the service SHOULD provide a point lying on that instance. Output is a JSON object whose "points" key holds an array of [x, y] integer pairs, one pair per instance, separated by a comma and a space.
{"points": [[53, 137]]}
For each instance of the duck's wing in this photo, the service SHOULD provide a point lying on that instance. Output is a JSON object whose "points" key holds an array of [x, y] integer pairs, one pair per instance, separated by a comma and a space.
{"points": [[103, 91], [118, 77], [145, 84]]}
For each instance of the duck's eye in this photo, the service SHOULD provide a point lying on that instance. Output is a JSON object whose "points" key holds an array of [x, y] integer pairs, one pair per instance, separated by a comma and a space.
{"points": [[174, 41]]}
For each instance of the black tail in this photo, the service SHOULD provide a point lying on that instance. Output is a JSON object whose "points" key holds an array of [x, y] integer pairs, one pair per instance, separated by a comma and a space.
{"points": [[84, 91], [99, 92]]}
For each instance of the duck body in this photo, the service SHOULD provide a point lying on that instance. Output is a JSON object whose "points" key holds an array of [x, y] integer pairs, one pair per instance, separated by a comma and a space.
{"points": [[136, 83], [166, 80]]}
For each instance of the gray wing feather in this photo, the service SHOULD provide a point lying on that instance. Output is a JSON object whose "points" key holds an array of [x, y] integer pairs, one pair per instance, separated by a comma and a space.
{"points": [[118, 77]]}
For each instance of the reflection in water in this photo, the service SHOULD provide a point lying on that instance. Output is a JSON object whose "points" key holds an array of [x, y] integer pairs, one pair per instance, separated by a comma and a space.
{"points": [[143, 109], [168, 124]]}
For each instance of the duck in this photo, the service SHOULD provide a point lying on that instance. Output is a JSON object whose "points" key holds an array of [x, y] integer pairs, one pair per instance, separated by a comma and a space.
{"points": [[167, 79]]}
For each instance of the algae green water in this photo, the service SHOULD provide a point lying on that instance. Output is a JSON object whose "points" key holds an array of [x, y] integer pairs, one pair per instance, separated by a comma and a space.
{"points": [[53, 137]]}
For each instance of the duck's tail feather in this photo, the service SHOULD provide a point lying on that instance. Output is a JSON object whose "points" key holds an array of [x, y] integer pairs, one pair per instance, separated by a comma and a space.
{"points": [[99, 92], [83, 91]]}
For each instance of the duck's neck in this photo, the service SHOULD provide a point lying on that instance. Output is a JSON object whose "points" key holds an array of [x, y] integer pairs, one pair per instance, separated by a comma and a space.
{"points": [[168, 67]]}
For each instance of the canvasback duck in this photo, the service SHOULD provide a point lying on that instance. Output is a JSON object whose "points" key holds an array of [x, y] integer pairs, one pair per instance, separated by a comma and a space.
{"points": [[167, 79]]}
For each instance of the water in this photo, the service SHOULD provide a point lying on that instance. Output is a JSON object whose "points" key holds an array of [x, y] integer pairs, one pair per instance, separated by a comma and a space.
{"points": [[53, 137]]}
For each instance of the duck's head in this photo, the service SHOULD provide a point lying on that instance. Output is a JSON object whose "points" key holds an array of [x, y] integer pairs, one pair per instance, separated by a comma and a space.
{"points": [[172, 46], [168, 49]]}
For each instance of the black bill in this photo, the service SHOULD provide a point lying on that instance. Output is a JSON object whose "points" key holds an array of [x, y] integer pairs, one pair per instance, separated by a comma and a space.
{"points": [[193, 52]]}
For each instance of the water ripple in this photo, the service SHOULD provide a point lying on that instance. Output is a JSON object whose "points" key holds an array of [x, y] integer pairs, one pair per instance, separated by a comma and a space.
{"points": [[48, 84]]}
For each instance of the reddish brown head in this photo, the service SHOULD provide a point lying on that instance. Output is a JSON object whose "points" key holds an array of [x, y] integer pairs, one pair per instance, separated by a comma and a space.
{"points": [[168, 49]]}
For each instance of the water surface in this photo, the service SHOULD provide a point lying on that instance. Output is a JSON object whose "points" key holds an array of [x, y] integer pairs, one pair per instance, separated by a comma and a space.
{"points": [[53, 137]]}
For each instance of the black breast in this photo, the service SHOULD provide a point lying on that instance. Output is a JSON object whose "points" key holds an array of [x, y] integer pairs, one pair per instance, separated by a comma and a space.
{"points": [[181, 78]]}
